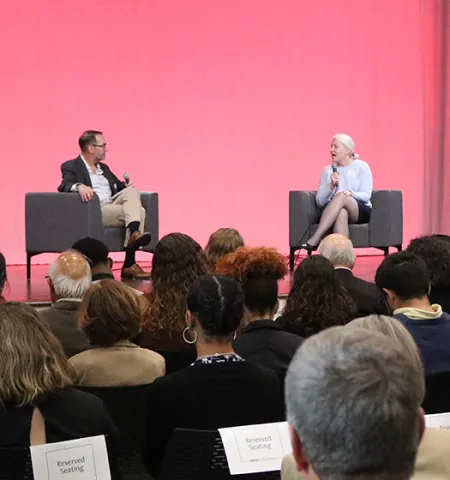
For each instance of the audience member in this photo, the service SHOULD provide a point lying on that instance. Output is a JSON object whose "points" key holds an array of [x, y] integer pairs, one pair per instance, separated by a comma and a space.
{"points": [[97, 254], [317, 299], [110, 316], [404, 279], [3, 276], [434, 250], [338, 249], [37, 401], [220, 389], [178, 260], [221, 242], [353, 404], [69, 279], [261, 340]]}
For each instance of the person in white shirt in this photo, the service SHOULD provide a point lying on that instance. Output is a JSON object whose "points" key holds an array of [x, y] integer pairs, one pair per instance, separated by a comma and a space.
{"points": [[120, 201]]}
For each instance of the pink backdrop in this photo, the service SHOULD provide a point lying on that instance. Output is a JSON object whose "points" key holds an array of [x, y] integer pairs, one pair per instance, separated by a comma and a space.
{"points": [[221, 106]]}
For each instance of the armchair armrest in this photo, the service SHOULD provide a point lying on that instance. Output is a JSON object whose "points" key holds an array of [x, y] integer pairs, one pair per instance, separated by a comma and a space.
{"points": [[386, 220], [149, 201], [303, 212], [55, 221]]}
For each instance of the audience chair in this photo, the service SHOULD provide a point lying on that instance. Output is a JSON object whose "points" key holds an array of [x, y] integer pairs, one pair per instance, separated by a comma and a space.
{"points": [[127, 407], [437, 396], [15, 463], [199, 455], [55, 221], [384, 230]]}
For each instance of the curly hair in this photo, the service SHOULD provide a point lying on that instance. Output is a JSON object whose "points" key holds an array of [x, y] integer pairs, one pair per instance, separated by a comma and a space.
{"points": [[258, 269], [317, 300], [434, 250], [177, 261], [221, 242]]}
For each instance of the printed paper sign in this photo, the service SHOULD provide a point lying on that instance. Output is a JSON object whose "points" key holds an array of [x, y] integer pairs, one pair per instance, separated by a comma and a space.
{"points": [[438, 420], [256, 448], [85, 458]]}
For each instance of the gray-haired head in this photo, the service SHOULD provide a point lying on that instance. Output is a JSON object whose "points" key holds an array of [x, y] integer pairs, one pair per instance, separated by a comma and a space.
{"points": [[70, 275], [353, 400], [339, 250]]}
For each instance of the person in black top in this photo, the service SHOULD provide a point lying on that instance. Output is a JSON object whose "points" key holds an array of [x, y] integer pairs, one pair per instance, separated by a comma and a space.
{"points": [[36, 379], [434, 250], [3, 276], [220, 389], [261, 340]]}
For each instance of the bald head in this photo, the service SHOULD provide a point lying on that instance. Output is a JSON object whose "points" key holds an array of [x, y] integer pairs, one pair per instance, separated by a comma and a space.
{"points": [[339, 250], [70, 275]]}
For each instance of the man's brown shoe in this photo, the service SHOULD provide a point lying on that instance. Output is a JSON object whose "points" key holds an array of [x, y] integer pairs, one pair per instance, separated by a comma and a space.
{"points": [[135, 272], [138, 239]]}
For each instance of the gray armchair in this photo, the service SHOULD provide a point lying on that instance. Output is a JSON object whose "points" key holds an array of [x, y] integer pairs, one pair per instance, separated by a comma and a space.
{"points": [[384, 230], [55, 221]]}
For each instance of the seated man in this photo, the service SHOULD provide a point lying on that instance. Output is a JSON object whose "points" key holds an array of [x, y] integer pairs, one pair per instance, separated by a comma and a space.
{"points": [[338, 249], [353, 407], [404, 279], [69, 279], [120, 202]]}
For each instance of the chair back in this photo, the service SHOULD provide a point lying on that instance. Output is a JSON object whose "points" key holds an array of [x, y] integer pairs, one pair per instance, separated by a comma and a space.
{"points": [[127, 407], [15, 463], [437, 396], [200, 455]]}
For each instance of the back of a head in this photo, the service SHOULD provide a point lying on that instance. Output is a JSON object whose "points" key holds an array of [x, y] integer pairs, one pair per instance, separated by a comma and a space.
{"points": [[338, 249], [353, 399], [218, 304], [32, 359], [177, 261], [258, 269], [70, 275], [94, 250], [394, 329], [405, 274], [3, 276], [111, 312], [434, 250], [222, 242]]}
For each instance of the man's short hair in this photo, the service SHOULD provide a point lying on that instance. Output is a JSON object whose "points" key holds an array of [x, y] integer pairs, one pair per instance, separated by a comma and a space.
{"points": [[66, 287], [353, 398], [405, 274], [94, 250], [87, 138], [338, 252]]}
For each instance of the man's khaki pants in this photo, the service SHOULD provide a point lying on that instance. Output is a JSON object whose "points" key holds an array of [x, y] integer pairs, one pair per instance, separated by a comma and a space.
{"points": [[125, 208]]}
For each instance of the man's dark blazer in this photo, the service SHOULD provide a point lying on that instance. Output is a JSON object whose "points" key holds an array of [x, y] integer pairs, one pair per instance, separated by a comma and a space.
{"points": [[366, 295], [75, 171]]}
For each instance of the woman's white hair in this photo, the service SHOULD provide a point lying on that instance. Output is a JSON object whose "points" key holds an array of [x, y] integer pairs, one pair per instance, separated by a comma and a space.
{"points": [[347, 141]]}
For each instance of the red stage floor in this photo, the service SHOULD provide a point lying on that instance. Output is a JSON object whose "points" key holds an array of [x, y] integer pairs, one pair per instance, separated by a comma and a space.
{"points": [[36, 291]]}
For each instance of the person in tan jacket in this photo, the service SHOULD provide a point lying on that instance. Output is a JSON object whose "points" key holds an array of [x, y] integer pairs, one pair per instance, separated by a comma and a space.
{"points": [[110, 316]]}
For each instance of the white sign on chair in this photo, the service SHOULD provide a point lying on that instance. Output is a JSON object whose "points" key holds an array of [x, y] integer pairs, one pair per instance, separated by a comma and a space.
{"points": [[84, 458]]}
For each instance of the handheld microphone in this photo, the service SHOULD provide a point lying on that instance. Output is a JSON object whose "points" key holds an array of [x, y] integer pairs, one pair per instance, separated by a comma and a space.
{"points": [[126, 177], [333, 166]]}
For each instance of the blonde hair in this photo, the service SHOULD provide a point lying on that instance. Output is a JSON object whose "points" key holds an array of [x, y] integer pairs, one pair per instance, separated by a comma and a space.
{"points": [[393, 328], [111, 312], [347, 141], [32, 359], [222, 242]]}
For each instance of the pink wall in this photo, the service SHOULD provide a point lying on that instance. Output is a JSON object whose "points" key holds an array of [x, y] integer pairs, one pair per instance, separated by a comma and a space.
{"points": [[221, 106]]}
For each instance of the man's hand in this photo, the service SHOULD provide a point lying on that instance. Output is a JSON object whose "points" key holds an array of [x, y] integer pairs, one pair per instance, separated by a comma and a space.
{"points": [[86, 193]]}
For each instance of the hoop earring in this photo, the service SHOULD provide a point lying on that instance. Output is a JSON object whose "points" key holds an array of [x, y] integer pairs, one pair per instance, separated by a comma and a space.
{"points": [[186, 339]]}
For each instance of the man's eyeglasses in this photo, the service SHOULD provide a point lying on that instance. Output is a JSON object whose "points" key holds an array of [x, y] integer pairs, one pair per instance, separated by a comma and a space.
{"points": [[103, 145]]}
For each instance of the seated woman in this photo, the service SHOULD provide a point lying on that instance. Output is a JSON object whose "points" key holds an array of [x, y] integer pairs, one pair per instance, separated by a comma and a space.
{"points": [[110, 316], [37, 401], [3, 277], [317, 299], [178, 260], [220, 389], [261, 340], [221, 242], [344, 192]]}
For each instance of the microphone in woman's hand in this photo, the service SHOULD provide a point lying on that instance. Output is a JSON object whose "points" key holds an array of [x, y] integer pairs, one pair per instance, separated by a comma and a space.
{"points": [[333, 166], [126, 177]]}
